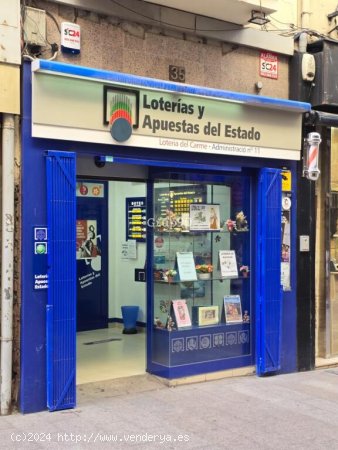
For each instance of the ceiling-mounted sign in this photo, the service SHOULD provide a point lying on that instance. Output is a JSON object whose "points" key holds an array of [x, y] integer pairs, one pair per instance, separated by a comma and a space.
{"points": [[268, 65]]}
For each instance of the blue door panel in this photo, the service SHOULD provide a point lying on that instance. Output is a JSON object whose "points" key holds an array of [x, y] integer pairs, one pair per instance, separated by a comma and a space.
{"points": [[61, 298], [269, 292]]}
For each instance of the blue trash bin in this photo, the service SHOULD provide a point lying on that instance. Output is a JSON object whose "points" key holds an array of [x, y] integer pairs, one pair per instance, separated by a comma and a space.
{"points": [[129, 315]]}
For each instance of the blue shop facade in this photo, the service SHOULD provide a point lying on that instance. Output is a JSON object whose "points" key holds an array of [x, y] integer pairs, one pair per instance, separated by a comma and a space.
{"points": [[218, 221]]}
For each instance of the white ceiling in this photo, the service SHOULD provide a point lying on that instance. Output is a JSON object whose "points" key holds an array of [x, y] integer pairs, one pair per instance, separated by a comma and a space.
{"points": [[234, 11]]}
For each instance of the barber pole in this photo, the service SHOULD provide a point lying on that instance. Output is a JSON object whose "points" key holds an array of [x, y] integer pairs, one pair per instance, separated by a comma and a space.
{"points": [[310, 169]]}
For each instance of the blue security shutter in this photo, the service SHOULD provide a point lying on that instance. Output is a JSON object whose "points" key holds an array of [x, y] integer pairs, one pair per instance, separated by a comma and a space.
{"points": [[61, 303], [269, 293]]}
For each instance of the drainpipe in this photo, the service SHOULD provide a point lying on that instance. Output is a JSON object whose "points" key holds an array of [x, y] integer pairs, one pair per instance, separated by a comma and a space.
{"points": [[7, 246], [305, 14], [305, 24]]}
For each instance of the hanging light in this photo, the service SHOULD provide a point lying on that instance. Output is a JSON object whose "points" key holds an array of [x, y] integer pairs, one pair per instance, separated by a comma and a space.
{"points": [[258, 18]]}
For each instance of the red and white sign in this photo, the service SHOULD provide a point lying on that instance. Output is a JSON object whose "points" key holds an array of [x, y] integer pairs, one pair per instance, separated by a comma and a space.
{"points": [[70, 36], [268, 65], [84, 189]]}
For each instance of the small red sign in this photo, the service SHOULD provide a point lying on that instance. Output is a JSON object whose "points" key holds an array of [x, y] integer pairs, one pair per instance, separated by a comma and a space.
{"points": [[83, 189], [268, 65]]}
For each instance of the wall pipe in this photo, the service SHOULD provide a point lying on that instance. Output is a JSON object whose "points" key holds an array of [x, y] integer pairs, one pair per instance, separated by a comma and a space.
{"points": [[305, 14], [7, 247]]}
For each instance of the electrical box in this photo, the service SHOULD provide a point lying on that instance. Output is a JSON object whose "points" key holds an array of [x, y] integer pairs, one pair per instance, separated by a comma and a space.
{"points": [[304, 243], [34, 27], [308, 67], [322, 92]]}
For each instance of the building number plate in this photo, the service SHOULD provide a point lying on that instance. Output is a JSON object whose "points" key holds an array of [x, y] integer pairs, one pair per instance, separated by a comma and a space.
{"points": [[177, 73]]}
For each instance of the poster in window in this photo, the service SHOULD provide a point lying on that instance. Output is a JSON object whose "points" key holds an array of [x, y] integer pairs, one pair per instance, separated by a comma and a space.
{"points": [[232, 309], [181, 312], [204, 217], [228, 264], [172, 205], [86, 239], [186, 266]]}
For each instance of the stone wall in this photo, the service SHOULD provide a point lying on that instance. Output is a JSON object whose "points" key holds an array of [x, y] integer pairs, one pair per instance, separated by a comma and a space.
{"points": [[111, 44]]}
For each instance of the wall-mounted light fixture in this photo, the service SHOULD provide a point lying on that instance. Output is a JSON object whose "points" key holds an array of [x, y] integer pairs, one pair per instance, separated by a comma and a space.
{"points": [[258, 18]]}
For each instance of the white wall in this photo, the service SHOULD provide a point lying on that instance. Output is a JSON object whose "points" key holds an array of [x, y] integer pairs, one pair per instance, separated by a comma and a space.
{"points": [[122, 288]]}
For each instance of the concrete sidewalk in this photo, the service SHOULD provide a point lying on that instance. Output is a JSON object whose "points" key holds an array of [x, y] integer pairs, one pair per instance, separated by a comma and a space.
{"points": [[296, 411]]}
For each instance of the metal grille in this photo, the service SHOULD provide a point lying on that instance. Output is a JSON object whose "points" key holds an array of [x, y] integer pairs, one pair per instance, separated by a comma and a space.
{"points": [[270, 293], [61, 305]]}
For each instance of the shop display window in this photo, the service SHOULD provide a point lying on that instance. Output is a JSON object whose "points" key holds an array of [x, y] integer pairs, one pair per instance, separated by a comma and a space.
{"points": [[202, 269]]}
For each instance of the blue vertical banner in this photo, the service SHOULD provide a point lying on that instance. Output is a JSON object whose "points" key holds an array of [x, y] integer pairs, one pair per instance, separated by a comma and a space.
{"points": [[40, 275]]}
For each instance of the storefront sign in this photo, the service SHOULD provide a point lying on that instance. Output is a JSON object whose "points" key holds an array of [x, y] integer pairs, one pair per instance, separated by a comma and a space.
{"points": [[163, 119]]}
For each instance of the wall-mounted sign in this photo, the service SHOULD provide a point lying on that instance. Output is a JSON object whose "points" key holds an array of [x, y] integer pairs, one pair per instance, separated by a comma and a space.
{"points": [[136, 218], [286, 180], [268, 65], [177, 73], [40, 235]]}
